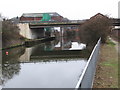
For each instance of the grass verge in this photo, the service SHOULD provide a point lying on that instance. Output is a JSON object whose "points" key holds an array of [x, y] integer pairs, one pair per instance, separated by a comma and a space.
{"points": [[107, 68]]}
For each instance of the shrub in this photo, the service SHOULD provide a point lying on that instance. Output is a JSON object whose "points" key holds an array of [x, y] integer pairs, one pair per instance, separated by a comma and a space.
{"points": [[10, 34], [96, 27]]}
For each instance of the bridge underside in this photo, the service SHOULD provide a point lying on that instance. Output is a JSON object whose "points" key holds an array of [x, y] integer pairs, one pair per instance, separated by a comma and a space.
{"points": [[38, 33], [116, 24]]}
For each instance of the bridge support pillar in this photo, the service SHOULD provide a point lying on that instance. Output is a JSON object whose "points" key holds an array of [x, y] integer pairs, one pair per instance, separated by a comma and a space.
{"points": [[25, 31], [61, 31]]}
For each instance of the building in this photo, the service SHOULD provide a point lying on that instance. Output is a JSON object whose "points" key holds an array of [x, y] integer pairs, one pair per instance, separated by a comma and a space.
{"points": [[39, 16], [15, 20]]}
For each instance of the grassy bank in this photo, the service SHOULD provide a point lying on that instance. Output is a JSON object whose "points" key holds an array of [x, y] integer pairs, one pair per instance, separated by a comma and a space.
{"points": [[107, 68]]}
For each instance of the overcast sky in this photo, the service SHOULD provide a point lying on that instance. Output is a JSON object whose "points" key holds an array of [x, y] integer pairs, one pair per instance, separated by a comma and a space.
{"points": [[72, 9]]}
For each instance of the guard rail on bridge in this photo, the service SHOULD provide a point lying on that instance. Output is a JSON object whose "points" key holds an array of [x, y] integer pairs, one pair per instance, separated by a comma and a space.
{"points": [[40, 22], [114, 21], [87, 77]]}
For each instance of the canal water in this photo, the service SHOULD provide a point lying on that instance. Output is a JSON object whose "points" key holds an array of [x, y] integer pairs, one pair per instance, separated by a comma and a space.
{"points": [[55, 64]]}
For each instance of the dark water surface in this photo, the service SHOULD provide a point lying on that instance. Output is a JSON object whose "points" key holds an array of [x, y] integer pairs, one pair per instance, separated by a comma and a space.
{"points": [[55, 64]]}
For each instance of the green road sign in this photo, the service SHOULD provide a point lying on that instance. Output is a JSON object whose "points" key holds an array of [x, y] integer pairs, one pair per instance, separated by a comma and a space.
{"points": [[46, 17]]}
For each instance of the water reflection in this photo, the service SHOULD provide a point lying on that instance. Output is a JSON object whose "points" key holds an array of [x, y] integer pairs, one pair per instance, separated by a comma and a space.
{"points": [[12, 54], [47, 75], [10, 65], [77, 46], [53, 64]]}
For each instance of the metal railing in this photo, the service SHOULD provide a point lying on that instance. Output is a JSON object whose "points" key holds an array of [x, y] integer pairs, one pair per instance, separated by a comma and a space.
{"points": [[69, 21], [87, 77]]}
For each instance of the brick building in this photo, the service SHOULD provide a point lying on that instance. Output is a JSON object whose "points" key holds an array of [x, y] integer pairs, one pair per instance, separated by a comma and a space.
{"points": [[38, 16]]}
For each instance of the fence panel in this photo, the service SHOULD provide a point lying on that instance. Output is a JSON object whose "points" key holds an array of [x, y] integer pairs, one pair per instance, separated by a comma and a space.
{"points": [[87, 77]]}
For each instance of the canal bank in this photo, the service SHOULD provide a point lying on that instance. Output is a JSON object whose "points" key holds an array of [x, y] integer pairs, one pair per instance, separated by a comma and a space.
{"points": [[107, 68], [30, 42], [21, 68]]}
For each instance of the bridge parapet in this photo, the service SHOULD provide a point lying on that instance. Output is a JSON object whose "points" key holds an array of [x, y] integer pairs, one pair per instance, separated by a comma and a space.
{"points": [[38, 24], [53, 22]]}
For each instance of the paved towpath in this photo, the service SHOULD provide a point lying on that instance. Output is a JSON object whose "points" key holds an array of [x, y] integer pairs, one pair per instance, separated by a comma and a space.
{"points": [[117, 46]]}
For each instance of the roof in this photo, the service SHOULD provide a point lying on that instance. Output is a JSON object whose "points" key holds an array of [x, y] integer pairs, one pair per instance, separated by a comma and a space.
{"points": [[39, 14], [98, 15]]}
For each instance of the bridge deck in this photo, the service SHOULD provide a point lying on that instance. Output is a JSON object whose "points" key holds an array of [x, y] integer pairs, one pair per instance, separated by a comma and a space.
{"points": [[38, 24]]}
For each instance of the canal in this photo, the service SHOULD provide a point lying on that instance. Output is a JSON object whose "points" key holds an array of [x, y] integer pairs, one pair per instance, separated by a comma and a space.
{"points": [[54, 64]]}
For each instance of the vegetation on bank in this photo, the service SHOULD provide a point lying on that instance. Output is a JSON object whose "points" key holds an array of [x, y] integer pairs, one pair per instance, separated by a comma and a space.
{"points": [[10, 34], [107, 68], [94, 28]]}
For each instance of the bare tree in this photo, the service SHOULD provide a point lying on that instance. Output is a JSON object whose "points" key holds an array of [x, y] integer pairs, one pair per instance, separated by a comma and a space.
{"points": [[10, 34], [96, 27]]}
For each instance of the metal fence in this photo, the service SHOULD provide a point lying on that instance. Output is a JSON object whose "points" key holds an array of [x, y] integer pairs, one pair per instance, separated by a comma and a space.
{"points": [[87, 77]]}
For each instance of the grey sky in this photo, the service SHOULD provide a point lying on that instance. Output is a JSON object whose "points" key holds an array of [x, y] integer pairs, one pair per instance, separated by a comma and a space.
{"points": [[72, 9]]}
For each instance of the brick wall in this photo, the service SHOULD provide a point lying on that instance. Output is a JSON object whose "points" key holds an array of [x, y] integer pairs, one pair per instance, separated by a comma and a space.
{"points": [[30, 18], [55, 18]]}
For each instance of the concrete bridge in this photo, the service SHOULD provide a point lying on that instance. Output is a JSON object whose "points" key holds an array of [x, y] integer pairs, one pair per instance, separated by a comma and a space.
{"points": [[116, 22], [33, 33], [38, 24], [38, 29]]}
